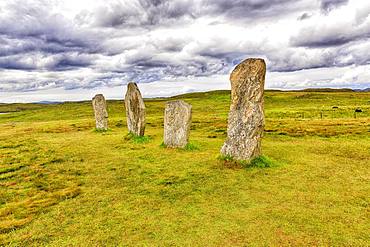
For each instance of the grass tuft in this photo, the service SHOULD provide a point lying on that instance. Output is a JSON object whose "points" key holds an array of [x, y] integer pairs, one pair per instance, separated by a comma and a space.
{"points": [[102, 130], [191, 147], [261, 161], [188, 147], [137, 139]]}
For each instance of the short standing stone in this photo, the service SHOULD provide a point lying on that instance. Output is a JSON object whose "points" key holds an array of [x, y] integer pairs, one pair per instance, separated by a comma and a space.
{"points": [[246, 116], [100, 111], [135, 110], [177, 121]]}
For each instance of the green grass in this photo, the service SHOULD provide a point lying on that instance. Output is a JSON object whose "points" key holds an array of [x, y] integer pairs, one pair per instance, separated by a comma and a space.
{"points": [[191, 147], [261, 161], [63, 184], [137, 139]]}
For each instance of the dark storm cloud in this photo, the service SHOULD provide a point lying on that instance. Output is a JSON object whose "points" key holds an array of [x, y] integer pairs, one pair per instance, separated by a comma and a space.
{"points": [[321, 36], [328, 5], [8, 63], [249, 9], [322, 41], [32, 27], [68, 63], [144, 13], [150, 13], [152, 70], [304, 16]]}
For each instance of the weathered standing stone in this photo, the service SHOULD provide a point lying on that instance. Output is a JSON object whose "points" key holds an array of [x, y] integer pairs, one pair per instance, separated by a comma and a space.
{"points": [[135, 110], [100, 111], [177, 121], [246, 116]]}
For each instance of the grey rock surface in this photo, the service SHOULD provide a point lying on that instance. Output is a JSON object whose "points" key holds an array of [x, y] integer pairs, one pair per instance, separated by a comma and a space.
{"points": [[100, 111], [135, 110], [246, 116], [177, 121]]}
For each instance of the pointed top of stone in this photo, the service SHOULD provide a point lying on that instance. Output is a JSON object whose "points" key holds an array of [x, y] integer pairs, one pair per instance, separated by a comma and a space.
{"points": [[98, 95], [249, 77], [248, 68], [178, 102], [132, 86]]}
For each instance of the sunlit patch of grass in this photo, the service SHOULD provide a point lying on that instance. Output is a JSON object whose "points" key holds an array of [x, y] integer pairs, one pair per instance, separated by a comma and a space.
{"points": [[28, 185]]}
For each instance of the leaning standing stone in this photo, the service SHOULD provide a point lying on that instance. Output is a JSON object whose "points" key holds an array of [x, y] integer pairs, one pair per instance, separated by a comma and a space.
{"points": [[100, 111], [246, 116], [135, 110], [177, 121]]}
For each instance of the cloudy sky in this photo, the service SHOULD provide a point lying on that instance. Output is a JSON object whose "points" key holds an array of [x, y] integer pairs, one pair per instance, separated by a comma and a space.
{"points": [[72, 49]]}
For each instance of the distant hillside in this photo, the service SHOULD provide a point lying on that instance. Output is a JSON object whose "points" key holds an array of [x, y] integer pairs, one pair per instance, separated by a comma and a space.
{"points": [[200, 94], [326, 90], [223, 92], [39, 104], [363, 90]]}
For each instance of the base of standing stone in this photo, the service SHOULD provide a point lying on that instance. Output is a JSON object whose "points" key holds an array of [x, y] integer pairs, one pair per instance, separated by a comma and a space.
{"points": [[177, 121]]}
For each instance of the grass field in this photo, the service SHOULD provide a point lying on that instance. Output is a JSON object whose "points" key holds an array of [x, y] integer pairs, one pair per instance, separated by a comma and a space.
{"points": [[64, 184]]}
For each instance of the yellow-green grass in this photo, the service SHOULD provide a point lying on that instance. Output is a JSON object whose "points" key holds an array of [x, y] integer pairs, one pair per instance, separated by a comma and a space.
{"points": [[64, 184]]}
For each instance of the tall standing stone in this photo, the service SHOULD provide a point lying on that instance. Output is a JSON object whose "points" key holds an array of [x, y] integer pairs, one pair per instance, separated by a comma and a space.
{"points": [[100, 111], [135, 110], [177, 121], [246, 116]]}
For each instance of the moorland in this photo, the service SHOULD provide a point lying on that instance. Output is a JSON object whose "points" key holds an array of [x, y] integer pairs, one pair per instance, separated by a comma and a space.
{"points": [[62, 183]]}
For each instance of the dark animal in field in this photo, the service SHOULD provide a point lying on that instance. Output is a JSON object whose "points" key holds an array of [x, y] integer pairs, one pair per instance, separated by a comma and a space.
{"points": [[335, 107], [358, 110]]}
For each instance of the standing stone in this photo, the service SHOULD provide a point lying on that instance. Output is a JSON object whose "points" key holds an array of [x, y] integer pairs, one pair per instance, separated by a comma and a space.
{"points": [[177, 121], [135, 110], [246, 116], [100, 111]]}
